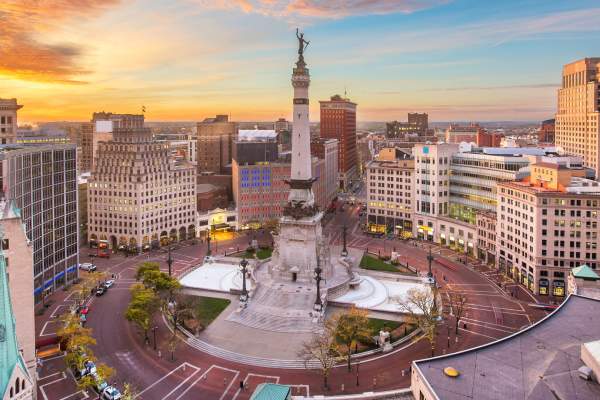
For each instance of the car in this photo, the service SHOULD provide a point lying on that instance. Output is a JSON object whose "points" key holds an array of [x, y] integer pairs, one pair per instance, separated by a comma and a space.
{"points": [[84, 310], [89, 267], [89, 368], [111, 393], [108, 283], [122, 247], [100, 291], [100, 385]]}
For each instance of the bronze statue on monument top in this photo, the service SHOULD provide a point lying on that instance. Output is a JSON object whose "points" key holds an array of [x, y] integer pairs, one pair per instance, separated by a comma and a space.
{"points": [[302, 44]]}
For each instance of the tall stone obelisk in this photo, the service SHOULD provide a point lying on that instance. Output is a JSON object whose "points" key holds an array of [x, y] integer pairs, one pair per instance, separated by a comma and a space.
{"points": [[300, 240]]}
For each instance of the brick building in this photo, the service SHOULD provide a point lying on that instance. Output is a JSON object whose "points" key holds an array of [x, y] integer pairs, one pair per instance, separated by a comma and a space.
{"points": [[338, 121]]}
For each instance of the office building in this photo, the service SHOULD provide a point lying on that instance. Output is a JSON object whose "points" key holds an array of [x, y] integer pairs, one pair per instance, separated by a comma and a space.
{"points": [[327, 150], [489, 139], [390, 180], [548, 224], [100, 129], [256, 145], [578, 114], [338, 121], [261, 188], [417, 126], [547, 131], [42, 183], [139, 195], [8, 120], [458, 134], [17, 256], [215, 140]]}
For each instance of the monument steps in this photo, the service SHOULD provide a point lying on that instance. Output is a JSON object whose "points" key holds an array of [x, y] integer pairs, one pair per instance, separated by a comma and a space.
{"points": [[274, 323], [246, 359]]}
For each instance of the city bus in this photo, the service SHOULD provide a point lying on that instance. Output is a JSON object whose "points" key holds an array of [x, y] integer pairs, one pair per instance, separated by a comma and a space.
{"points": [[103, 249]]}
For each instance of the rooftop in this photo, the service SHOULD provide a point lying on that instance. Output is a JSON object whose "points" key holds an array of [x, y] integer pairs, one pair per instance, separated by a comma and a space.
{"points": [[256, 134], [585, 272], [540, 362]]}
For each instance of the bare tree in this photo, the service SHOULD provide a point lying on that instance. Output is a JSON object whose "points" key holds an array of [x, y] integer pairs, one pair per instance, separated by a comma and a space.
{"points": [[457, 305], [420, 305], [322, 347]]}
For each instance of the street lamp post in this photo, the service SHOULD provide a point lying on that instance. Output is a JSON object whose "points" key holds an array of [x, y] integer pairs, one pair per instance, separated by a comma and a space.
{"points": [[244, 270], [429, 259], [170, 261], [154, 333], [208, 251], [344, 232], [318, 279], [466, 255]]}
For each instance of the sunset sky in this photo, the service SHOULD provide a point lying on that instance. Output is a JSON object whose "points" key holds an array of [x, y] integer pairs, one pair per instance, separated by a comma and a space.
{"points": [[190, 59]]}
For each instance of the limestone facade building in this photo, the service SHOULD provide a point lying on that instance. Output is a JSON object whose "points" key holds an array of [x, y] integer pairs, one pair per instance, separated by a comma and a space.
{"points": [[548, 224], [577, 128], [390, 180], [8, 120], [138, 193]]}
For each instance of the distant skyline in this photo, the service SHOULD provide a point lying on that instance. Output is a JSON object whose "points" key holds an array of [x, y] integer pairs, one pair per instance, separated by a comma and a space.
{"points": [[465, 60]]}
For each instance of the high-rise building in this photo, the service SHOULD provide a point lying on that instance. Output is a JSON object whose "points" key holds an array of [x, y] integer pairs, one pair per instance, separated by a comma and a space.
{"points": [[17, 256], [419, 119], [8, 120], [417, 126], [390, 180], [578, 115], [327, 180], [548, 224], [138, 194], [338, 121], [215, 141], [16, 382], [42, 182], [547, 131], [253, 146], [99, 129]]}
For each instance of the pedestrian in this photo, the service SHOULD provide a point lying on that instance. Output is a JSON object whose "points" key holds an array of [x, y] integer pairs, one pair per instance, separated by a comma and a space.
{"points": [[241, 385], [224, 381], [374, 382]]}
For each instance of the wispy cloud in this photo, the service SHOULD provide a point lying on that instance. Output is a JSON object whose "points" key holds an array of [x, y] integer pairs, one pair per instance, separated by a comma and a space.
{"points": [[328, 9], [25, 55]]}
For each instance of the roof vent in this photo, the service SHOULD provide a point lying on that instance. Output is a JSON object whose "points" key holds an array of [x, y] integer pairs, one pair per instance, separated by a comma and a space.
{"points": [[585, 372]]}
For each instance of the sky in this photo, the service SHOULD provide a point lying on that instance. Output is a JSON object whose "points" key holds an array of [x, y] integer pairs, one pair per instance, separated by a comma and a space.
{"points": [[458, 60]]}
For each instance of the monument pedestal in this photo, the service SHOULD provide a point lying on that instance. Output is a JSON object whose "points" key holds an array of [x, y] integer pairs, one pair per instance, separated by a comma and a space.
{"points": [[297, 246]]}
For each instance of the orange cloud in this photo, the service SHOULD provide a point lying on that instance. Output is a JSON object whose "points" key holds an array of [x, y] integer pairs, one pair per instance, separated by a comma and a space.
{"points": [[322, 8], [24, 55]]}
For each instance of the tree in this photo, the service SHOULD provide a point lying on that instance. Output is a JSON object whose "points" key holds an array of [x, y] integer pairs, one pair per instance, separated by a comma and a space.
{"points": [[323, 348], [351, 327], [420, 305], [458, 303], [129, 392], [142, 306], [76, 341], [272, 225], [172, 344], [145, 267], [103, 373]]}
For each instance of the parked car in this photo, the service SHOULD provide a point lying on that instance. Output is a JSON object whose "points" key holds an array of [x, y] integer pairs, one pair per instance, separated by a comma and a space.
{"points": [[100, 291], [89, 267], [100, 386], [89, 368], [108, 283], [84, 310], [111, 393]]}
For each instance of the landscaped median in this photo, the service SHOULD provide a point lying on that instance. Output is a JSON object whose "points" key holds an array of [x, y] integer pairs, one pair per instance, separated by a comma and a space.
{"points": [[375, 263]]}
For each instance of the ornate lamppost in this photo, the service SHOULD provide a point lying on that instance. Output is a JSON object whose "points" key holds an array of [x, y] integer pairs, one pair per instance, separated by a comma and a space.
{"points": [[430, 259], [344, 232], [318, 279], [170, 260], [244, 270], [208, 251]]}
